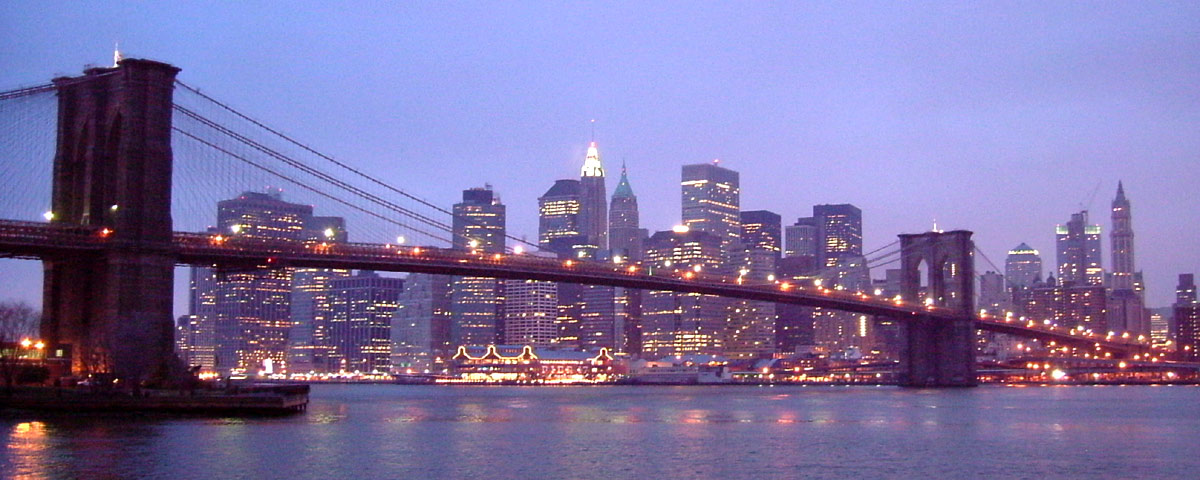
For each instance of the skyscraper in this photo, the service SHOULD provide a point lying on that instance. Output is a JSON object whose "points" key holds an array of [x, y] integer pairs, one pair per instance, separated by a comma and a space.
{"points": [[530, 310], [762, 230], [1187, 318], [625, 234], [1121, 238], [803, 238], [750, 332], [1079, 252], [683, 323], [559, 218], [479, 225], [840, 230], [250, 312], [421, 325], [1022, 266], [593, 208], [711, 203], [360, 321]]}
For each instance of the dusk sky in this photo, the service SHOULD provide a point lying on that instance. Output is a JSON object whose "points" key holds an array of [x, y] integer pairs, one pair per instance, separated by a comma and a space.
{"points": [[1001, 118]]}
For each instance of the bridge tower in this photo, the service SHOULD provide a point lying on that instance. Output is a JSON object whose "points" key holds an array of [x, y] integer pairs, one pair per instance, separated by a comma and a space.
{"points": [[938, 352], [112, 169]]}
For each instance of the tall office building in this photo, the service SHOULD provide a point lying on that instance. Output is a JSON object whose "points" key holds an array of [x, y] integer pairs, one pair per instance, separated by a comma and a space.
{"points": [[711, 203], [750, 332], [421, 325], [1187, 318], [475, 302], [683, 323], [840, 230], [1079, 252], [625, 234], [762, 230], [593, 207], [559, 218], [250, 312], [992, 295], [360, 322], [1022, 266], [309, 344], [1126, 304], [530, 310], [803, 239]]}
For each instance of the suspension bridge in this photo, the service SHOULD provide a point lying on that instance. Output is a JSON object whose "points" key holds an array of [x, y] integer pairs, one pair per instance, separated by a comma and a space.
{"points": [[131, 162]]}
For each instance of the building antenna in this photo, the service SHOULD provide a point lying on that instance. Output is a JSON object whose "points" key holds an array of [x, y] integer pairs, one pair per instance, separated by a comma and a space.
{"points": [[593, 130]]}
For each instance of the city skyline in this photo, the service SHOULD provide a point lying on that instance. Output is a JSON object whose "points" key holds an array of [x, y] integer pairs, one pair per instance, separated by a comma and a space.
{"points": [[1000, 146]]}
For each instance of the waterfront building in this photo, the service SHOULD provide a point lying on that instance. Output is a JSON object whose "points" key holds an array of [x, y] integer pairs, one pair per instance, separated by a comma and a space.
{"points": [[527, 364], [1187, 318], [309, 344], [530, 312], [1078, 244], [421, 325], [1022, 266], [475, 302], [360, 322]]}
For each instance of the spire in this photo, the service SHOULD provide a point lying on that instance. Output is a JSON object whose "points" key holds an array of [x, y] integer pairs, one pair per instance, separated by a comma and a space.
{"points": [[623, 188], [1120, 192], [591, 164]]}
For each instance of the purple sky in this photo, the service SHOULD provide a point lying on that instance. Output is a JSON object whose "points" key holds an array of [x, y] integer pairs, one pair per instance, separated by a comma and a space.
{"points": [[999, 118]]}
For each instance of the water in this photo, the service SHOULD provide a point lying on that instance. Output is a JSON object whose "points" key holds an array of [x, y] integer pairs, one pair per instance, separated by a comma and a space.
{"points": [[392, 431]]}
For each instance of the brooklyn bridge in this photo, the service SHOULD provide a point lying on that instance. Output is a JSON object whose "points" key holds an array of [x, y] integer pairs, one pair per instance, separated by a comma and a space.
{"points": [[118, 224]]}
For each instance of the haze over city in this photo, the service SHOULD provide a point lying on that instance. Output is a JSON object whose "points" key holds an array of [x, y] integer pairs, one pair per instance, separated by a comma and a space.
{"points": [[1002, 119]]}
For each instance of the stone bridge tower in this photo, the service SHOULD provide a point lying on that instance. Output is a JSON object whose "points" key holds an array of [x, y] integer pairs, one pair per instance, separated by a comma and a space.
{"points": [[937, 352], [112, 169]]}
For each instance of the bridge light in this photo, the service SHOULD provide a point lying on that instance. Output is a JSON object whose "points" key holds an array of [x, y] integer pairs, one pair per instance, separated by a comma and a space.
{"points": [[518, 250], [878, 292], [26, 343], [1122, 364], [785, 286], [1058, 374], [697, 268], [235, 228], [473, 243], [633, 269], [114, 207], [618, 259], [39, 345], [929, 301], [400, 240], [817, 282], [329, 233], [689, 275], [569, 263], [497, 256], [48, 216], [771, 277], [105, 232], [416, 250]]}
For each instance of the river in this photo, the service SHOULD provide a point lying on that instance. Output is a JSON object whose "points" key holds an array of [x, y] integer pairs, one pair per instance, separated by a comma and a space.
{"points": [[394, 431]]}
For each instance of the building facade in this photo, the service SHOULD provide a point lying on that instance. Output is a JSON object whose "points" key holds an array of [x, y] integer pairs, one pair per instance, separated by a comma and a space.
{"points": [[475, 302], [1078, 244]]}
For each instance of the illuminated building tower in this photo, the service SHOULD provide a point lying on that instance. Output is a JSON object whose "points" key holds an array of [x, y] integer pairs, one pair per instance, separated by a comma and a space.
{"points": [[682, 323], [1185, 291], [625, 235], [559, 228], [803, 238], [250, 311], [1022, 266], [840, 230], [476, 301], [593, 206], [421, 325], [1079, 252], [1126, 304], [530, 310], [750, 332], [1187, 318], [308, 337], [360, 322], [711, 203]]}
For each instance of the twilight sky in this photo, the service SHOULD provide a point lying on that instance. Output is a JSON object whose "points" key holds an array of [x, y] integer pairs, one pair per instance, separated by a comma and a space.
{"points": [[1001, 118]]}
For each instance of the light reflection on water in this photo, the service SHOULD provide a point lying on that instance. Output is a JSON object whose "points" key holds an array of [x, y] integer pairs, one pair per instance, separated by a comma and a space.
{"points": [[389, 431]]}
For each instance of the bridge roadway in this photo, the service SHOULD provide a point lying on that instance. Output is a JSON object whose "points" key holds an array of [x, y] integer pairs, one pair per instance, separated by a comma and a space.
{"points": [[47, 240]]}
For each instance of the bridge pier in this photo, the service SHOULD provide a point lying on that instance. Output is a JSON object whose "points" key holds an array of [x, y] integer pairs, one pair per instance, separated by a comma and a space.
{"points": [[112, 170], [938, 352]]}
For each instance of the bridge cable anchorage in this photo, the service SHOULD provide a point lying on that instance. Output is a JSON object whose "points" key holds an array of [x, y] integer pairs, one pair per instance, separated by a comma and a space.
{"points": [[304, 186], [339, 163], [314, 172]]}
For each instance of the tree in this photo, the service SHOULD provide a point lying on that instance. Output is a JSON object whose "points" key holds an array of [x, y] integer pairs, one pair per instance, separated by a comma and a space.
{"points": [[18, 321]]}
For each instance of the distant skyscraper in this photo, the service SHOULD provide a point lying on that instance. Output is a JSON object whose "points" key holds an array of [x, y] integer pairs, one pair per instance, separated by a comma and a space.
{"points": [[1122, 242], [530, 309], [991, 293], [683, 323], [250, 312], [309, 344], [1022, 266], [593, 211], [840, 228], [559, 227], [762, 230], [421, 325], [1187, 318], [479, 224], [1185, 291], [750, 332], [711, 203], [1079, 252], [360, 321], [625, 234], [804, 238]]}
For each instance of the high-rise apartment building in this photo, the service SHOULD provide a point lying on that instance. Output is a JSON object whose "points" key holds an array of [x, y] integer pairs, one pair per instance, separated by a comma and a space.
{"points": [[1078, 245], [475, 302], [1022, 267]]}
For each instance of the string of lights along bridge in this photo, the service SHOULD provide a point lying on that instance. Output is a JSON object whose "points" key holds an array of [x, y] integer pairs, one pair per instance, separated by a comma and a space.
{"points": [[122, 173]]}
